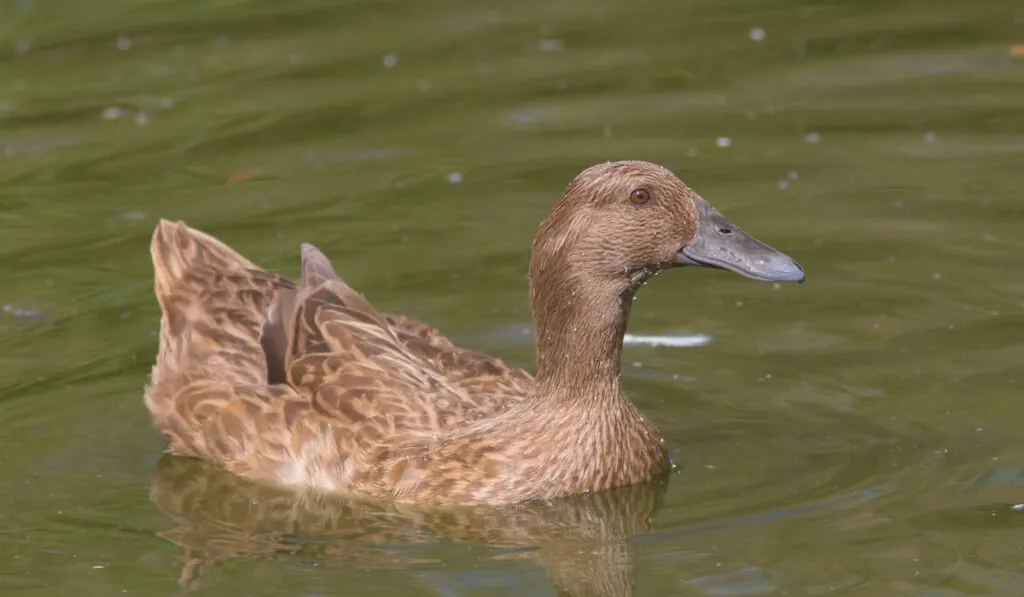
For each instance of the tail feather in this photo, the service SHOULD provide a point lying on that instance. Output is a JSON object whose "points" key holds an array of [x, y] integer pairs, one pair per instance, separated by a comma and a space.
{"points": [[214, 304], [316, 268], [179, 250]]}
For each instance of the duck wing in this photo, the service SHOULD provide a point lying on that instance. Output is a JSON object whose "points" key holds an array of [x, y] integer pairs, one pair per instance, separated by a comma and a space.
{"points": [[472, 372], [408, 348], [364, 367]]}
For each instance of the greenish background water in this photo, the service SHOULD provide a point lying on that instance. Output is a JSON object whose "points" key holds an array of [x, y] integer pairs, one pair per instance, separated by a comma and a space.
{"points": [[856, 435]]}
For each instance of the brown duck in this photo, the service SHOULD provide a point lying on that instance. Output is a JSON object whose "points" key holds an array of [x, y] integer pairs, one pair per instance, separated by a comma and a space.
{"points": [[307, 385]]}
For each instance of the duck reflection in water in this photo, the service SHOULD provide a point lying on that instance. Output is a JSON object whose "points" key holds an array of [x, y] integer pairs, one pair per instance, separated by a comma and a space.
{"points": [[584, 542]]}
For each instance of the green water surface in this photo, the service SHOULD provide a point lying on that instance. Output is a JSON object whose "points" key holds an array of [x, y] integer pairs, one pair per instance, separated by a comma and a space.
{"points": [[861, 434]]}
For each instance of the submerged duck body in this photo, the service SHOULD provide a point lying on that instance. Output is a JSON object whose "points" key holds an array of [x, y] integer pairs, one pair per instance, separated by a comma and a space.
{"points": [[306, 384]]}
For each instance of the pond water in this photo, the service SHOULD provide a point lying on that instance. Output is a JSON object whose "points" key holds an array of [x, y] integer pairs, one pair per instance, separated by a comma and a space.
{"points": [[859, 434]]}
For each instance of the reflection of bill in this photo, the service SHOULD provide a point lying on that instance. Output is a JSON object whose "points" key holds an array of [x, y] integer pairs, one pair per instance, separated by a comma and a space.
{"points": [[680, 341], [523, 334]]}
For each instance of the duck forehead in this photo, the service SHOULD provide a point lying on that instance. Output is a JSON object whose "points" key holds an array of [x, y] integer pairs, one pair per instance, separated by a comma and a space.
{"points": [[614, 178], [611, 172]]}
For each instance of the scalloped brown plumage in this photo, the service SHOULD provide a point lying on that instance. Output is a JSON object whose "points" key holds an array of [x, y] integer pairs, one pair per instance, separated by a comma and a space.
{"points": [[308, 385]]}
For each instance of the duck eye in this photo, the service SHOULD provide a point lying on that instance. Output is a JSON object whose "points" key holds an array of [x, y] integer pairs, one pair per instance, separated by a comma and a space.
{"points": [[640, 196]]}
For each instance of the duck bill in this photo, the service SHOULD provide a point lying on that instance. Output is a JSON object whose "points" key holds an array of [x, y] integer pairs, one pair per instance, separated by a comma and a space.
{"points": [[723, 245]]}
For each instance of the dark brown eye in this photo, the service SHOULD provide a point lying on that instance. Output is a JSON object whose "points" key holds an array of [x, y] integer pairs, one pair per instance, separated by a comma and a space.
{"points": [[640, 196]]}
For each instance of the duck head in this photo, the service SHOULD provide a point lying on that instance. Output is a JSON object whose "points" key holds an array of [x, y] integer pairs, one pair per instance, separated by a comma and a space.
{"points": [[627, 220]]}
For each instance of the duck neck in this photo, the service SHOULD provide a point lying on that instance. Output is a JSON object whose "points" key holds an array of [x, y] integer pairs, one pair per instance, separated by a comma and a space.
{"points": [[579, 322]]}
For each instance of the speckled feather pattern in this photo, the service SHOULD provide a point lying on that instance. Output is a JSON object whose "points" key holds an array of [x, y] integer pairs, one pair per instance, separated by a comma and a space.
{"points": [[306, 384]]}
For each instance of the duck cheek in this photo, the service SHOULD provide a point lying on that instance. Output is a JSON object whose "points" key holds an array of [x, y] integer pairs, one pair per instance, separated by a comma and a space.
{"points": [[667, 256]]}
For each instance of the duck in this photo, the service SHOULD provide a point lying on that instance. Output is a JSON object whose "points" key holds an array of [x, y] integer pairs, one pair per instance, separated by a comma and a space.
{"points": [[304, 384]]}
